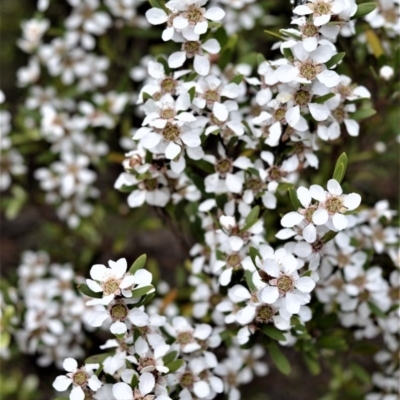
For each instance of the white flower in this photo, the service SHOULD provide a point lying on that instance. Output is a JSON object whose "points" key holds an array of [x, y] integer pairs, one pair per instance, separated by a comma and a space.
{"points": [[322, 10], [386, 72], [81, 378], [333, 204]]}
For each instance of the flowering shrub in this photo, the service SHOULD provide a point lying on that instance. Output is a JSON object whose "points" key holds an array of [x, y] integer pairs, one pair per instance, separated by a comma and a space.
{"points": [[245, 152]]}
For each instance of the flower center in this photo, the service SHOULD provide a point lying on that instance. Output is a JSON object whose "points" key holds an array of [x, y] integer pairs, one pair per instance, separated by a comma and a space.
{"points": [[302, 97], [280, 113], [192, 48], [150, 184], [187, 380], [308, 213], [309, 70], [254, 184], [167, 113], [333, 205], [194, 14], [110, 286], [275, 173], [223, 166], [264, 314], [322, 8], [184, 338], [234, 260], [146, 362], [80, 378], [215, 299], [168, 85], [119, 312], [309, 29], [171, 132], [339, 114], [285, 283], [211, 95], [342, 260]]}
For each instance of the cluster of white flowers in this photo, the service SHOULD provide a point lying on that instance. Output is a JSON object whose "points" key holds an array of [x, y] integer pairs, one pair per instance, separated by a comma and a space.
{"points": [[152, 356], [54, 313], [11, 161]]}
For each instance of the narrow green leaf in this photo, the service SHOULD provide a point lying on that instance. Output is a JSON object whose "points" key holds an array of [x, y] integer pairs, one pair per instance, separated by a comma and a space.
{"points": [[340, 167], [249, 280], [134, 381], [335, 60], [273, 332], [146, 299], [295, 201], [88, 292], [164, 63], [98, 358], [274, 34], [139, 292], [279, 358], [323, 99], [312, 364], [237, 79], [291, 34], [192, 93], [260, 58], [127, 189], [332, 342], [329, 236], [284, 186], [251, 219], [175, 365], [156, 4], [227, 52], [253, 254], [361, 373], [363, 113], [139, 263], [376, 310], [364, 9], [288, 53], [169, 357], [146, 96], [375, 43]]}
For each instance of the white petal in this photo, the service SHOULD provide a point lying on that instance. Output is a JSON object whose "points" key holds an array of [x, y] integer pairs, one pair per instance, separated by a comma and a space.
{"points": [[225, 277], [118, 328], [320, 216], [334, 187], [318, 111], [310, 233], [177, 59], [172, 150], [286, 73], [98, 272], [305, 284], [200, 28], [211, 46], [340, 221], [292, 116], [304, 196], [236, 243], [292, 303], [329, 78], [94, 286], [146, 383], [61, 383], [353, 128], [122, 391], [234, 183], [77, 393], [352, 201], [156, 16], [201, 389], [270, 294], [180, 22], [136, 198], [201, 65], [302, 10], [214, 14], [220, 111], [317, 192], [291, 219], [70, 364], [138, 317]]}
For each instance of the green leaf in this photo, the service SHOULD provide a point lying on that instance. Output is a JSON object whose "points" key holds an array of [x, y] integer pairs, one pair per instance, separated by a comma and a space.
{"points": [[164, 63], [375, 43], [340, 167], [251, 219], [287, 53], [323, 99], [335, 60], [361, 373], [134, 381], [88, 292], [260, 58], [175, 365], [214, 24], [253, 254], [127, 189], [226, 53], [146, 96], [332, 342], [139, 263], [293, 35], [98, 358], [284, 186], [192, 93], [171, 356], [274, 34], [146, 299], [156, 4], [249, 280], [139, 292], [279, 358], [376, 310], [329, 236], [363, 113], [237, 79], [364, 9], [295, 201], [273, 332], [312, 364]]}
